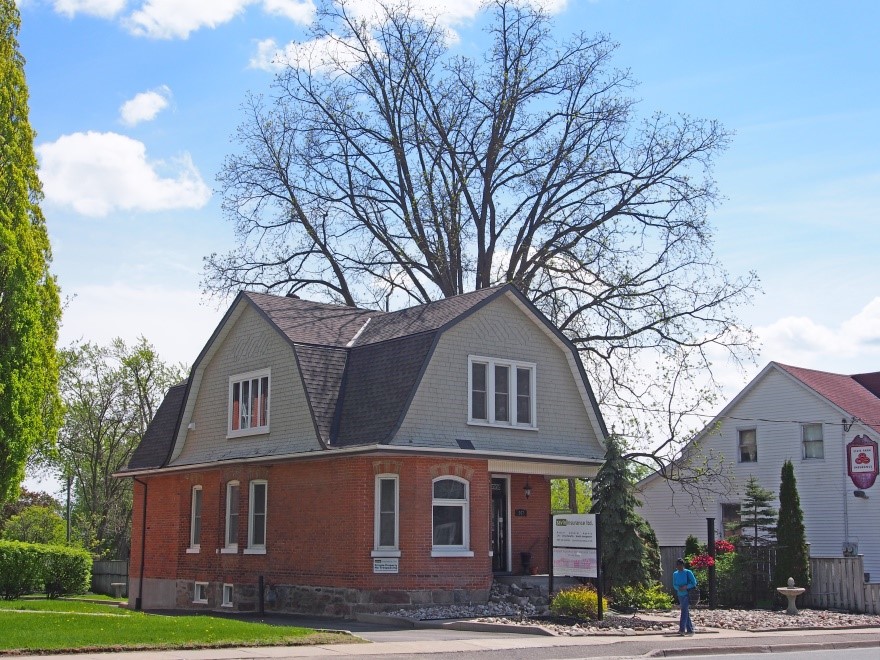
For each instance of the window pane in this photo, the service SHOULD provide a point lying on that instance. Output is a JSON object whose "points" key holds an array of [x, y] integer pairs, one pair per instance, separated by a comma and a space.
{"points": [[259, 529], [502, 390], [232, 522], [478, 391], [812, 432], [748, 446], [245, 404], [387, 512], [236, 408], [264, 401], [196, 517], [523, 396], [449, 489], [448, 529], [259, 498], [386, 530]]}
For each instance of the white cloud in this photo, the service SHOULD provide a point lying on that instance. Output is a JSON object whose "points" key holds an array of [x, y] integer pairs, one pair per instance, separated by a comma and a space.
{"points": [[145, 106], [99, 8], [327, 54], [852, 346], [176, 19], [298, 11], [98, 173]]}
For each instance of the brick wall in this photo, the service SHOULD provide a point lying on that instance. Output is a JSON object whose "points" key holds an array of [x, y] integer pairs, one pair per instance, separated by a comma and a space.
{"points": [[320, 534]]}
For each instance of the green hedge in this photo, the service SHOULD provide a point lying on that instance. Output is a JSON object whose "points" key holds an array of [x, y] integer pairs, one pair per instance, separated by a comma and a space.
{"points": [[56, 569]]}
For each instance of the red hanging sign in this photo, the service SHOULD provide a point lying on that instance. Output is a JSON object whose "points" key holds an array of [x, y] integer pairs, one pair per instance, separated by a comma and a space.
{"points": [[861, 461]]}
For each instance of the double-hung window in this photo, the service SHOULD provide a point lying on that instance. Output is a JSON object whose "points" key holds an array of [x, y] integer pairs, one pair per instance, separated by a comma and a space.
{"points": [[450, 518], [814, 445], [257, 518], [232, 501], [195, 520], [501, 392], [748, 446], [249, 403], [386, 528]]}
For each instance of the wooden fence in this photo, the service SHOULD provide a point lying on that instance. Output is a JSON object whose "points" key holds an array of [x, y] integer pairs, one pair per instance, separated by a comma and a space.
{"points": [[105, 573], [839, 584]]}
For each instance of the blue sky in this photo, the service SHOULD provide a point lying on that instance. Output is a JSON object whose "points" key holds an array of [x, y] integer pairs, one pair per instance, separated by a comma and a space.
{"points": [[135, 105]]}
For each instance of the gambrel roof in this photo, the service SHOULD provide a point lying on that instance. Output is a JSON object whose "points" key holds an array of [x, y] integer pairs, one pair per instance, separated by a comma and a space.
{"points": [[360, 368]]}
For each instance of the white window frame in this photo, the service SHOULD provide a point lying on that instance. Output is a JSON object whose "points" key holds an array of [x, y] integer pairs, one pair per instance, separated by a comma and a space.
{"points": [[237, 379], [203, 587], [513, 365], [257, 548], [231, 548], [378, 549], [462, 550], [227, 590], [820, 442], [739, 444], [195, 539]]}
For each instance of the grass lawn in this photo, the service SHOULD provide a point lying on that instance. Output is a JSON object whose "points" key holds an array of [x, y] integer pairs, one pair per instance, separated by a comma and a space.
{"points": [[54, 625]]}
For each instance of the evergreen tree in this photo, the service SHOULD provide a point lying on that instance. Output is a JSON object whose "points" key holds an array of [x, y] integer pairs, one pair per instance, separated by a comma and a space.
{"points": [[793, 559], [757, 519], [623, 549], [30, 408]]}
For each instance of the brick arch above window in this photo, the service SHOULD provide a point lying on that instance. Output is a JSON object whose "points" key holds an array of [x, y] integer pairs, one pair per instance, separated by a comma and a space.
{"points": [[386, 467], [452, 470]]}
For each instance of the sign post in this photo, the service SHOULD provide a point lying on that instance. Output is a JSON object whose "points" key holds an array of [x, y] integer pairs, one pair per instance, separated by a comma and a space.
{"points": [[575, 545]]}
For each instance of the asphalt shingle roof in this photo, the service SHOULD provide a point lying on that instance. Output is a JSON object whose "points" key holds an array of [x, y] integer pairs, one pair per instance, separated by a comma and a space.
{"points": [[360, 367], [857, 394], [156, 443]]}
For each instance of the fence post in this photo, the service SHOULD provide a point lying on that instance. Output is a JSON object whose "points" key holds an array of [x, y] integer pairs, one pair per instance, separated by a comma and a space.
{"points": [[710, 534]]}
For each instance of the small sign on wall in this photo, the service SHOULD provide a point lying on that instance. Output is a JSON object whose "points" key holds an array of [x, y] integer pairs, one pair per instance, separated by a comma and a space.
{"points": [[386, 565], [520, 513]]}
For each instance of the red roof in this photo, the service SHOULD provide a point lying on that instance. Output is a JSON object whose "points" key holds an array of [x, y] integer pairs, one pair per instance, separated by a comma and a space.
{"points": [[856, 394]]}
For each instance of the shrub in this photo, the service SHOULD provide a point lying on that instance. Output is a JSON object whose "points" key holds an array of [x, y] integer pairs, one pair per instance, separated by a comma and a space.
{"points": [[29, 567], [21, 569], [579, 602], [652, 597], [67, 571], [722, 547], [692, 546]]}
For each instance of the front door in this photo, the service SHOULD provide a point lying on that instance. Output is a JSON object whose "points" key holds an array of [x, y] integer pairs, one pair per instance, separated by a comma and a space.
{"points": [[499, 526]]}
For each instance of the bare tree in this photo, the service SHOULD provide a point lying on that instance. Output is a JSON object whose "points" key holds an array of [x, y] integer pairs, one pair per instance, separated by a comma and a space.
{"points": [[385, 166]]}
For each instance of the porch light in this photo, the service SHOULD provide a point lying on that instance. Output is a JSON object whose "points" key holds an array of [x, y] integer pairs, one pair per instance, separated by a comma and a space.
{"points": [[527, 489]]}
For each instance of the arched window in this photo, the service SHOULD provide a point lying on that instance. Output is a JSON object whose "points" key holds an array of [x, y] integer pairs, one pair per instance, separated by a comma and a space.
{"points": [[450, 517]]}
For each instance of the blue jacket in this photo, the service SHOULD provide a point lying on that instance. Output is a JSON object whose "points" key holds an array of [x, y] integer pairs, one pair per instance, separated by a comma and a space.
{"points": [[685, 579]]}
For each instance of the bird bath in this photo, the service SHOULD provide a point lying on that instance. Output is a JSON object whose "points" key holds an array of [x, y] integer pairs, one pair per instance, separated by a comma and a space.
{"points": [[791, 592]]}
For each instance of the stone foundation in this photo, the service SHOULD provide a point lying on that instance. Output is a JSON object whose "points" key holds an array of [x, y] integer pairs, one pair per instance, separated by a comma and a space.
{"points": [[329, 601]]}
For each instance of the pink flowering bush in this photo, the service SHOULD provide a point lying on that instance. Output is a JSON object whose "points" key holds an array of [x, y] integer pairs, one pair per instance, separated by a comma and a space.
{"points": [[722, 547]]}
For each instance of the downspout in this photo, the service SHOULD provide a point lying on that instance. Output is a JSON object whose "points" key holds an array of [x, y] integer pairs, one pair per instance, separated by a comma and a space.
{"points": [[843, 428], [138, 602]]}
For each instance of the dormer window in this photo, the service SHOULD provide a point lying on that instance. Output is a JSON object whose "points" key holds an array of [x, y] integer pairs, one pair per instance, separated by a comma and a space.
{"points": [[249, 403], [501, 392]]}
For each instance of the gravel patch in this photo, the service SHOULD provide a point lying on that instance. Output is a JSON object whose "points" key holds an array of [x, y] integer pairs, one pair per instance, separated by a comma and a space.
{"points": [[646, 623]]}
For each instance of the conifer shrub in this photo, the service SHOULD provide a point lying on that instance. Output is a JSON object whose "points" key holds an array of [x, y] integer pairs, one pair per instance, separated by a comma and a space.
{"points": [[580, 602]]}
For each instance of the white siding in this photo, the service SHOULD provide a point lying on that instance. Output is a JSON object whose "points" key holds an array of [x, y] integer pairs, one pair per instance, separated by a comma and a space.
{"points": [[776, 405], [438, 414]]}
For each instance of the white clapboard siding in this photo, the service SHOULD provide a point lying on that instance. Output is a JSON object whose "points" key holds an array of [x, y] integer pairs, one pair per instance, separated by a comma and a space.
{"points": [[775, 405]]}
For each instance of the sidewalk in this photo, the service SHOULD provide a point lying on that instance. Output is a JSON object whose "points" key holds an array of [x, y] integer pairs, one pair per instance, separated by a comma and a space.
{"points": [[448, 639]]}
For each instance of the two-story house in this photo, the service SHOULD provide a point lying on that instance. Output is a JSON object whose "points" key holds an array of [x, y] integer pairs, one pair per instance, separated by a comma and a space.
{"points": [[330, 459], [824, 423]]}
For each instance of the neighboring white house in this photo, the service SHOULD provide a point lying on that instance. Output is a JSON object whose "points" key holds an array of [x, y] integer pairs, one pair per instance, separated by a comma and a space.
{"points": [[809, 417]]}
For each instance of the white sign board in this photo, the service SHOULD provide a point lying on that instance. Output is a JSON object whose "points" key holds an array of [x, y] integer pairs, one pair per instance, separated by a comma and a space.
{"points": [[575, 562], [577, 530], [386, 565]]}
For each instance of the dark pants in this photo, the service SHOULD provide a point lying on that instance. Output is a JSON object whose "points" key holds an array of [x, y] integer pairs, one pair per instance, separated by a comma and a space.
{"points": [[684, 623]]}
